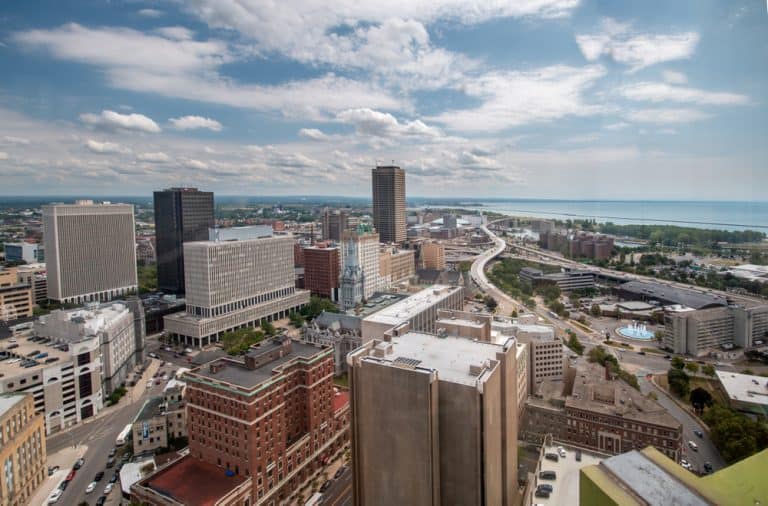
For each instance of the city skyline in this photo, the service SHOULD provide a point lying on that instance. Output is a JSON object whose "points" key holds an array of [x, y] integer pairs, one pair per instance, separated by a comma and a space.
{"points": [[548, 99]]}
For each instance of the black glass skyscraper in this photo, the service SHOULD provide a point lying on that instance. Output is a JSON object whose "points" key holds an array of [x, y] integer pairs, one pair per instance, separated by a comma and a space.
{"points": [[181, 215]]}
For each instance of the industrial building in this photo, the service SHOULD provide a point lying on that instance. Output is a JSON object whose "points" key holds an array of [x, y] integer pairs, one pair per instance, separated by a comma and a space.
{"points": [[90, 251], [434, 421]]}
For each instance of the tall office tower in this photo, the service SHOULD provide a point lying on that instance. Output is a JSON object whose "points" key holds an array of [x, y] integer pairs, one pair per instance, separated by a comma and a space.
{"points": [[90, 251], [181, 215], [335, 223], [368, 258], [434, 421], [433, 256], [260, 426], [22, 449], [321, 271], [389, 203], [235, 283]]}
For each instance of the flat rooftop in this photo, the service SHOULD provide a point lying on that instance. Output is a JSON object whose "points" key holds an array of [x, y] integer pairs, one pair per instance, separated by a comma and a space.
{"points": [[9, 367], [8, 401], [193, 482], [416, 303], [152, 407], [235, 372], [566, 486], [683, 296], [377, 302], [450, 356], [744, 387]]}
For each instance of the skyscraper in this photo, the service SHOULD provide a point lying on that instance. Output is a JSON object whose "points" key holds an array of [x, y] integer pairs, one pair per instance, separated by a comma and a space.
{"points": [[353, 278], [335, 223], [90, 251], [389, 203], [181, 215]]}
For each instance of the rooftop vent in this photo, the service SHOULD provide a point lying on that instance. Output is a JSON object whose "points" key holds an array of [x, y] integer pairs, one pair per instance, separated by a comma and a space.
{"points": [[406, 363]]}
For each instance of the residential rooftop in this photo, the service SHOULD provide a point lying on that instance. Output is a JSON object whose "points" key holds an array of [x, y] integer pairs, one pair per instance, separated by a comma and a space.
{"points": [[410, 306], [455, 359]]}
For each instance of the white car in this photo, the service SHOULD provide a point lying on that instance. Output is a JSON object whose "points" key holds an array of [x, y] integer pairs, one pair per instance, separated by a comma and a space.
{"points": [[561, 451], [108, 488], [685, 464], [90, 488], [55, 496]]}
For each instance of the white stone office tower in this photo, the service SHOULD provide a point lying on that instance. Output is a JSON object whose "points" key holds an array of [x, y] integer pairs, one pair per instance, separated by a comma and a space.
{"points": [[368, 258], [91, 251], [235, 284], [352, 279]]}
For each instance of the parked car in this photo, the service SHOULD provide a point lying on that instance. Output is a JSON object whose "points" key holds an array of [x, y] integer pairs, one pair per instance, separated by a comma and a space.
{"points": [[552, 456], [561, 451], [578, 455], [110, 461], [55, 496], [707, 467], [114, 478], [339, 472], [546, 486], [101, 500], [108, 488], [547, 475], [698, 433], [90, 488], [325, 486], [542, 494], [112, 452], [685, 464], [64, 484], [71, 475], [98, 476], [78, 464], [52, 470], [693, 446]]}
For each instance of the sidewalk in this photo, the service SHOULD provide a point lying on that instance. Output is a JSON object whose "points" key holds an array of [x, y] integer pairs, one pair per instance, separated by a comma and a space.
{"points": [[65, 459]]}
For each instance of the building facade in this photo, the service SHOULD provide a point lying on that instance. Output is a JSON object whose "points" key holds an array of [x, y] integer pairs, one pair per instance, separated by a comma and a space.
{"points": [[90, 251], [15, 297], [433, 256], [337, 330], [36, 277], [322, 271], [389, 203], [335, 223], [181, 215], [235, 284], [29, 252], [367, 249], [396, 266], [22, 449], [434, 421]]}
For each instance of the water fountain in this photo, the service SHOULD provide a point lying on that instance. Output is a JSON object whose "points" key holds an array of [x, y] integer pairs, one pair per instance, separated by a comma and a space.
{"points": [[636, 330]]}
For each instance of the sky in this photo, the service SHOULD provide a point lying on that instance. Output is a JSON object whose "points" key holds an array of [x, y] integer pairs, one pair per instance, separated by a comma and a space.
{"points": [[581, 99]]}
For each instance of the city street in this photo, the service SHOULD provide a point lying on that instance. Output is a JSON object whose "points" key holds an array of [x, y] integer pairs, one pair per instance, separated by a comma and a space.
{"points": [[340, 491]]}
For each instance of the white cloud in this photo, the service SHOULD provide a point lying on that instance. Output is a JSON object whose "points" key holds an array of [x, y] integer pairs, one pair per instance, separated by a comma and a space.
{"points": [[15, 140], [314, 134], [3, 155], [175, 32], [662, 116], [189, 69], [380, 124], [661, 92], [114, 120], [150, 13], [616, 126], [672, 77], [194, 123], [638, 50], [195, 164], [156, 157], [105, 147], [515, 98]]}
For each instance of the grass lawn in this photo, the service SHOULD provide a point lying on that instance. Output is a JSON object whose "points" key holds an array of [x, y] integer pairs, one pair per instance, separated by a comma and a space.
{"points": [[341, 381], [711, 387]]}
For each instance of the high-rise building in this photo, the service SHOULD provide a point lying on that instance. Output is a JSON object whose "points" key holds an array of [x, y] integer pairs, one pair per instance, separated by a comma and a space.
{"points": [[433, 256], [321, 271], [367, 250], [181, 215], [90, 251], [22, 449], [15, 298], [35, 276], [434, 421], [396, 265], [335, 223], [234, 284], [352, 279], [389, 203], [263, 424]]}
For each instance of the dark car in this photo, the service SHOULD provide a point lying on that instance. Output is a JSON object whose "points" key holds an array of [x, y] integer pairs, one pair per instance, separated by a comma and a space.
{"points": [[546, 486], [114, 478], [78, 464], [641, 353], [707, 467], [98, 476], [698, 433], [325, 486], [52, 470], [339, 472], [126, 457], [578, 455], [63, 485], [101, 500], [541, 493], [110, 461], [552, 456], [668, 357], [112, 452]]}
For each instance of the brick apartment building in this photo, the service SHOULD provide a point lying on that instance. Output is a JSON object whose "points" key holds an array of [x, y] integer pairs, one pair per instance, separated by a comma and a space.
{"points": [[582, 244], [322, 271], [258, 427]]}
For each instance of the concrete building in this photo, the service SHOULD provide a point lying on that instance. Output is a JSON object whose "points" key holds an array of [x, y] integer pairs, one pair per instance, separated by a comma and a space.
{"points": [[181, 215], [367, 249], [268, 421], [747, 393], [150, 427], [64, 377], [567, 280], [433, 256], [15, 297], [338, 330], [547, 361], [434, 421], [580, 244], [34, 275], [335, 223], [595, 411], [696, 333], [22, 449], [234, 284], [663, 294], [751, 326], [523, 376], [396, 266], [389, 203], [322, 271], [145, 252], [419, 311], [648, 477], [174, 395], [112, 324], [90, 251], [29, 252], [352, 280]]}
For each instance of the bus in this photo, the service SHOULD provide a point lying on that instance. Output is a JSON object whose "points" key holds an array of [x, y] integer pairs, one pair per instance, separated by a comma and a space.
{"points": [[123, 436]]}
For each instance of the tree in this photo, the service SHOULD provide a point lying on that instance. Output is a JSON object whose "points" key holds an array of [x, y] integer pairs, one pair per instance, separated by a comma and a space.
{"points": [[595, 311], [709, 370], [700, 398], [296, 319], [659, 334], [679, 382], [514, 313], [268, 328], [574, 343], [678, 363], [693, 367], [490, 303], [237, 342]]}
